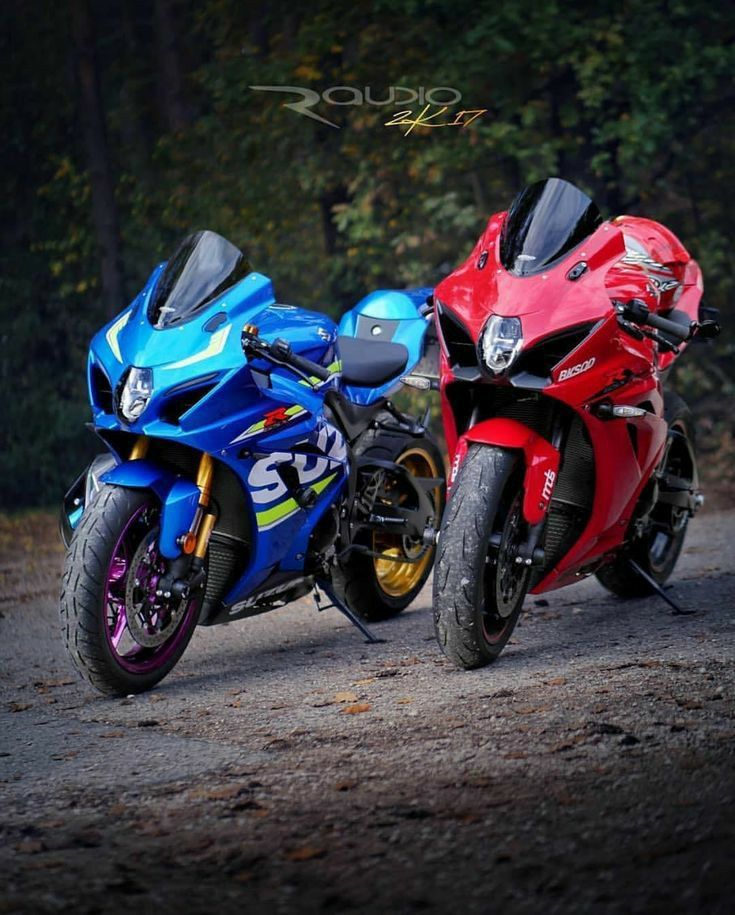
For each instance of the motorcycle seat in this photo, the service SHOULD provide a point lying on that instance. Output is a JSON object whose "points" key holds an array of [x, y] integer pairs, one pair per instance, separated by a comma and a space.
{"points": [[370, 362]]}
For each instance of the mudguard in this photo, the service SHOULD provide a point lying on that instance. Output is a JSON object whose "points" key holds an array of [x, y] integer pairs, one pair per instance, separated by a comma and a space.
{"points": [[179, 498], [540, 457]]}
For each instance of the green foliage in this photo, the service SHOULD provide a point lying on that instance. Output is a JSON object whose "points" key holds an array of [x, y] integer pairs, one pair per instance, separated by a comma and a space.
{"points": [[630, 100]]}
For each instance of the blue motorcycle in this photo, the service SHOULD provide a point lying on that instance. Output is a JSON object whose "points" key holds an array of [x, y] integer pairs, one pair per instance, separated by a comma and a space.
{"points": [[253, 455]]}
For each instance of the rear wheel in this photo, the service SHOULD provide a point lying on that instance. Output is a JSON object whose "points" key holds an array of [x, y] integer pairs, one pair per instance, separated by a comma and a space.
{"points": [[479, 588], [656, 549], [122, 637], [379, 587]]}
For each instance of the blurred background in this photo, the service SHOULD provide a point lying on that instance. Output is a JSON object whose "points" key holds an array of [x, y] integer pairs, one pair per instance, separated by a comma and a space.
{"points": [[129, 123]]}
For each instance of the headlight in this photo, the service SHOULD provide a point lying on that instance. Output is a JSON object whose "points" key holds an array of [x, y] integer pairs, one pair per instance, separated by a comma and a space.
{"points": [[136, 393], [500, 342]]}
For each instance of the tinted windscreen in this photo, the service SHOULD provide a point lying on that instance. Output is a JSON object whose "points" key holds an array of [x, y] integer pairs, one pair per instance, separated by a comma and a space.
{"points": [[544, 223], [203, 267]]}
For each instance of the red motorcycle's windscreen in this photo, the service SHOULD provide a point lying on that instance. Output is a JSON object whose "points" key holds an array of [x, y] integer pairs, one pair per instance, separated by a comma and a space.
{"points": [[545, 222]]}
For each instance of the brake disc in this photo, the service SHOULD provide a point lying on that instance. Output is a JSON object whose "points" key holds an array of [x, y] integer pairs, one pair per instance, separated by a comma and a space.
{"points": [[151, 618]]}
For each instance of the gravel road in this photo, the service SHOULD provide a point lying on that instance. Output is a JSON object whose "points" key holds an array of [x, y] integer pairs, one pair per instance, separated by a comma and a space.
{"points": [[286, 766]]}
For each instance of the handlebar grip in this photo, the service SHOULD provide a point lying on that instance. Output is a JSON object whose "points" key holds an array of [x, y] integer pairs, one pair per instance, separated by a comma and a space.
{"points": [[308, 367], [669, 327]]}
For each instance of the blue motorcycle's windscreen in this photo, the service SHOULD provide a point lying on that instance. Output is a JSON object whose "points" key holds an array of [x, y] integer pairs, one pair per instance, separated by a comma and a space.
{"points": [[204, 266]]}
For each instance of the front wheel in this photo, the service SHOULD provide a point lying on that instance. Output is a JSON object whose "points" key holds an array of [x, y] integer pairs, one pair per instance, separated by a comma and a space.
{"points": [[479, 588], [122, 637]]}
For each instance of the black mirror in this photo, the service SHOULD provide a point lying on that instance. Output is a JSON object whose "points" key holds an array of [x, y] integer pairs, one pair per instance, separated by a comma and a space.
{"points": [[708, 330]]}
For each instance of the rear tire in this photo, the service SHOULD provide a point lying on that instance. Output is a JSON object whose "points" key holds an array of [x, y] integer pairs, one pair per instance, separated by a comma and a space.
{"points": [[478, 588], [657, 552], [378, 589]]}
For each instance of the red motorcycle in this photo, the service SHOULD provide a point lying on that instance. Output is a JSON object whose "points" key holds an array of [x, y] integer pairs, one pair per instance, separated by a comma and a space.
{"points": [[568, 457]]}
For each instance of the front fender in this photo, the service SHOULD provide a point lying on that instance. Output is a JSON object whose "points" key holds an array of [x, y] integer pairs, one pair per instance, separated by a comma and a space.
{"points": [[179, 498], [541, 460]]}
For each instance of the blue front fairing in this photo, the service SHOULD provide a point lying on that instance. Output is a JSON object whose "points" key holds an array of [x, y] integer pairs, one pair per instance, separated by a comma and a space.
{"points": [[262, 422]]}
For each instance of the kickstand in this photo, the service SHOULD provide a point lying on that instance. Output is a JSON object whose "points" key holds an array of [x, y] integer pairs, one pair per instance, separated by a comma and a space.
{"points": [[338, 604], [659, 590]]}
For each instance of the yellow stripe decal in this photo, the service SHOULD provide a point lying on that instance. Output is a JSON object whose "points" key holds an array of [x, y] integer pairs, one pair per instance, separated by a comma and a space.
{"points": [[213, 348], [112, 334], [272, 516]]}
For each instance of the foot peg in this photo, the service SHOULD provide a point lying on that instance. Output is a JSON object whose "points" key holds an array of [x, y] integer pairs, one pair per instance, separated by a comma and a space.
{"points": [[338, 604], [678, 611]]}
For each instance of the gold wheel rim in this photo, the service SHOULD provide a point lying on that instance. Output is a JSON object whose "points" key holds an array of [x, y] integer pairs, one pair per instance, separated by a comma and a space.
{"points": [[397, 579]]}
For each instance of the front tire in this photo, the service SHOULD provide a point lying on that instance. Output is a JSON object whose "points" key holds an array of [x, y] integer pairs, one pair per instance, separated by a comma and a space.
{"points": [[478, 587], [115, 639]]}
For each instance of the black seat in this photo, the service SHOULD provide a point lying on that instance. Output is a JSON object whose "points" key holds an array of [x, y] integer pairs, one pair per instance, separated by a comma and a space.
{"points": [[370, 362]]}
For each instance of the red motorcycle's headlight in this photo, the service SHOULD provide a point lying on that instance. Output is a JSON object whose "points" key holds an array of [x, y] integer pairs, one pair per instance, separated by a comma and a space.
{"points": [[500, 342]]}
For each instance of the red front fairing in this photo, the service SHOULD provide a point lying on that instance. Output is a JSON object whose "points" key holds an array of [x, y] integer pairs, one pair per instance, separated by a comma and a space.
{"points": [[627, 258]]}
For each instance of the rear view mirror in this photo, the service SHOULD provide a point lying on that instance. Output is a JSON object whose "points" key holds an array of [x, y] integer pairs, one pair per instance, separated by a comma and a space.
{"points": [[708, 330]]}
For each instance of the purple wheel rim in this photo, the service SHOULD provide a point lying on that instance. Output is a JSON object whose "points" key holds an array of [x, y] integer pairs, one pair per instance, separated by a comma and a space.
{"points": [[126, 652]]}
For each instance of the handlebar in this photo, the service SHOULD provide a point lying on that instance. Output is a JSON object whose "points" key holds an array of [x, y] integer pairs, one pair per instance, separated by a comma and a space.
{"points": [[281, 353], [637, 312]]}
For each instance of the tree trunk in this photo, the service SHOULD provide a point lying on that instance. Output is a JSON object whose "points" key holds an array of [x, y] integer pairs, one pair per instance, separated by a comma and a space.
{"points": [[91, 117], [170, 81]]}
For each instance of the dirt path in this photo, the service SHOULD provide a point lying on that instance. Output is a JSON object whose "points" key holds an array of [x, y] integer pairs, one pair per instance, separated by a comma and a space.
{"points": [[286, 766]]}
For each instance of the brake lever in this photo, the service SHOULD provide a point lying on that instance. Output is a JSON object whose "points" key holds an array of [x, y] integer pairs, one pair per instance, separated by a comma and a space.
{"points": [[631, 329], [666, 345]]}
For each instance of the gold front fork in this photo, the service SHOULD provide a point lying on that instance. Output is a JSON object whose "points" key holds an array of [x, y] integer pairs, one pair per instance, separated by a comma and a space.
{"points": [[140, 448], [195, 540], [205, 521]]}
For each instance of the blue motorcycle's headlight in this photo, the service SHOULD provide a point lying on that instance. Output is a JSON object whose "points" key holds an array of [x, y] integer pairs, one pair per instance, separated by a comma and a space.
{"points": [[135, 393], [500, 342]]}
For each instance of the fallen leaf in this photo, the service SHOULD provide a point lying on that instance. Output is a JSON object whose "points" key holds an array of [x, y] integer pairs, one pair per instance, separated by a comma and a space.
{"points": [[346, 785], [345, 697], [306, 853], [364, 682], [356, 709], [30, 846], [467, 818], [243, 877], [404, 700], [113, 734], [20, 706], [556, 681]]}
